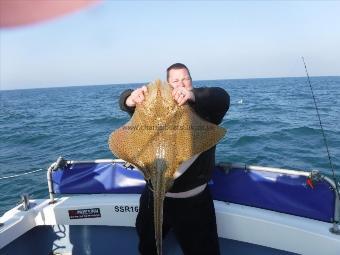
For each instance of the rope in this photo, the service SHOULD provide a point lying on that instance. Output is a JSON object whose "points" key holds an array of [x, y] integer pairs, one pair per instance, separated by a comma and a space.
{"points": [[16, 175]]}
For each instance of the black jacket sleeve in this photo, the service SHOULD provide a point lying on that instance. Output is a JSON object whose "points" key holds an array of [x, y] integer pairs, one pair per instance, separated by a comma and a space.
{"points": [[122, 100], [211, 103]]}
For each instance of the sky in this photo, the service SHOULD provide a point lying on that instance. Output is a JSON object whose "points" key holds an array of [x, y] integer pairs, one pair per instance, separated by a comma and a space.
{"points": [[118, 42]]}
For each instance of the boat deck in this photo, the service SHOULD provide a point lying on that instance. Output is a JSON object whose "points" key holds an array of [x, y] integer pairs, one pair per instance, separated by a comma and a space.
{"points": [[80, 240]]}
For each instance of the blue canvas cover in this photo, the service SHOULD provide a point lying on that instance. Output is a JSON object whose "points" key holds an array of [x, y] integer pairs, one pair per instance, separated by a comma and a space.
{"points": [[97, 178], [279, 192]]}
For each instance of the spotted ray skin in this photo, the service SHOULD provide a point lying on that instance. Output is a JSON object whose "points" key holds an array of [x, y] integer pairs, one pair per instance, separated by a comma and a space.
{"points": [[159, 137]]}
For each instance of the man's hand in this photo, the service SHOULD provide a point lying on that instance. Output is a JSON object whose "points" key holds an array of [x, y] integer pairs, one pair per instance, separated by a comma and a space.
{"points": [[182, 95], [137, 96]]}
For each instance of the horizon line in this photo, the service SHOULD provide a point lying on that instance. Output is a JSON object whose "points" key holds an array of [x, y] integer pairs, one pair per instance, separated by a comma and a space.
{"points": [[135, 83]]}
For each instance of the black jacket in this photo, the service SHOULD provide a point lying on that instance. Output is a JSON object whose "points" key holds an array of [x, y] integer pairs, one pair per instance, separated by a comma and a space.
{"points": [[211, 104]]}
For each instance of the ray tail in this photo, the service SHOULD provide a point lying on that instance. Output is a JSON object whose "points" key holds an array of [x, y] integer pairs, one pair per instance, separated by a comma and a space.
{"points": [[159, 194]]}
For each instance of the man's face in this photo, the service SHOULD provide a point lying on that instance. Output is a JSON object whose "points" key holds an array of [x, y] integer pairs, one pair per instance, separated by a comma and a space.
{"points": [[180, 78]]}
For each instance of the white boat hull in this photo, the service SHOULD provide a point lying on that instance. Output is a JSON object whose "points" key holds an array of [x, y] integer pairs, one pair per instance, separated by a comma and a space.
{"points": [[235, 222]]}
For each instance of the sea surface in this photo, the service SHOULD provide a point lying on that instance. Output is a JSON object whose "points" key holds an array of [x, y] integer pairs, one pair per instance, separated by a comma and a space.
{"points": [[271, 122]]}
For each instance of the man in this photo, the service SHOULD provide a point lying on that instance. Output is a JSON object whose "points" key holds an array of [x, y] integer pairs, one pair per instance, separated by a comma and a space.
{"points": [[188, 206]]}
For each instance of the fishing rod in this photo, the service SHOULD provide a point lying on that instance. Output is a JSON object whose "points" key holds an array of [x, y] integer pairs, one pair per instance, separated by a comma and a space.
{"points": [[322, 130]]}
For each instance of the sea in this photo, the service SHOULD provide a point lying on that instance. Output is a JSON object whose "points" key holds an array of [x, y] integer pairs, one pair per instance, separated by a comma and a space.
{"points": [[270, 122]]}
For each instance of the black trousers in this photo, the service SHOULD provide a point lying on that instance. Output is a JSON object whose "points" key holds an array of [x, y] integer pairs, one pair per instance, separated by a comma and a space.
{"points": [[192, 220]]}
